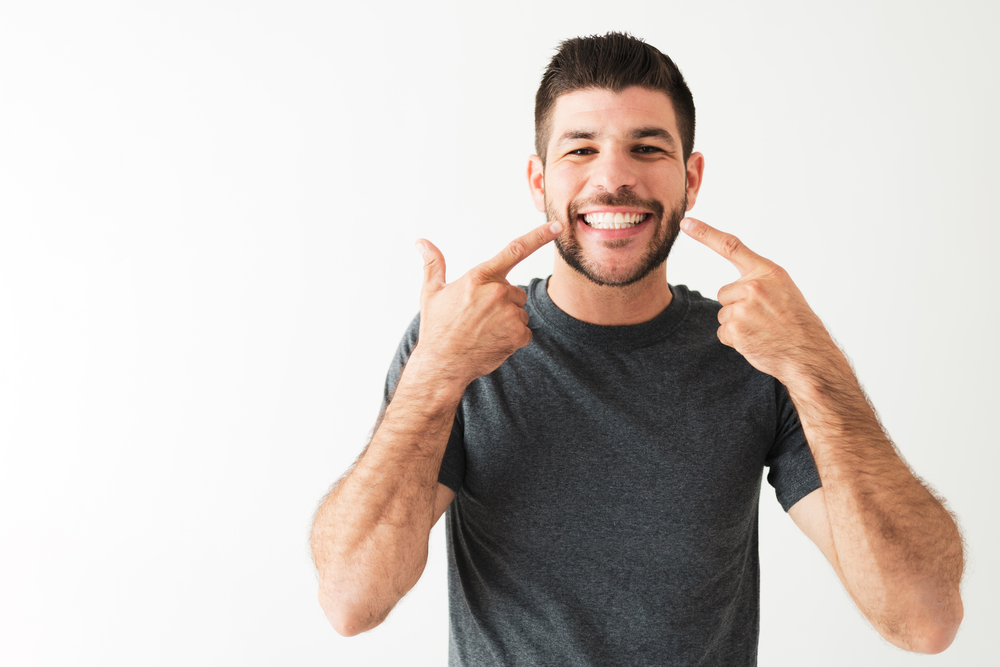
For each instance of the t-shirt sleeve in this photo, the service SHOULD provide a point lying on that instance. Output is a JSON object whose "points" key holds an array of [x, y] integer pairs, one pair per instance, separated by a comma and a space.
{"points": [[452, 472], [792, 470]]}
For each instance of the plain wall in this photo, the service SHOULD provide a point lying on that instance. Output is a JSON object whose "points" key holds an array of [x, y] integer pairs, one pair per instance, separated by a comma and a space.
{"points": [[207, 217]]}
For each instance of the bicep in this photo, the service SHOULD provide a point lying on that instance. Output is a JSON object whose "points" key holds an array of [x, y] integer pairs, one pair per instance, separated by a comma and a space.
{"points": [[811, 516], [444, 497]]}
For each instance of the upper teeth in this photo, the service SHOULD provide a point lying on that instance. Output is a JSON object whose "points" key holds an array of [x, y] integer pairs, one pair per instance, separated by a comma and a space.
{"points": [[611, 220]]}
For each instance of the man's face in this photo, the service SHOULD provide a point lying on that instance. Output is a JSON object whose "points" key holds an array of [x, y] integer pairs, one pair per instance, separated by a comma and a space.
{"points": [[615, 176]]}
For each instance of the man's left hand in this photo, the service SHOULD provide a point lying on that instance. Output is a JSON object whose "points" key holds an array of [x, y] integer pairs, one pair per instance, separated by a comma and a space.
{"points": [[764, 316]]}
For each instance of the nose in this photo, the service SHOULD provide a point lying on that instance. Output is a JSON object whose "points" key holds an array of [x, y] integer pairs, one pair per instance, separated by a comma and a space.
{"points": [[613, 171]]}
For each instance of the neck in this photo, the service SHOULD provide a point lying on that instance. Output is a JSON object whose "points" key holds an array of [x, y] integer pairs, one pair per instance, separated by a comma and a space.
{"points": [[586, 301]]}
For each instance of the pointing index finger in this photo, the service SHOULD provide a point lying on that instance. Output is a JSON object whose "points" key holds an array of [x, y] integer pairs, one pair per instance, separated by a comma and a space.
{"points": [[519, 248], [727, 245]]}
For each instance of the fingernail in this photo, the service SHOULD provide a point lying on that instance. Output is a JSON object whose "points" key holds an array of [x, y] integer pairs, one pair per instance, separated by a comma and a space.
{"points": [[420, 247], [687, 224], [556, 227]]}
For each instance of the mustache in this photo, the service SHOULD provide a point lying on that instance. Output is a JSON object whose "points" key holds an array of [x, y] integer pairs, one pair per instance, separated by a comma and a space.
{"points": [[626, 198]]}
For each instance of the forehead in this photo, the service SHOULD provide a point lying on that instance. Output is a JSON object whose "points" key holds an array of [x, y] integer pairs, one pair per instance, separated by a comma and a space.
{"points": [[612, 113]]}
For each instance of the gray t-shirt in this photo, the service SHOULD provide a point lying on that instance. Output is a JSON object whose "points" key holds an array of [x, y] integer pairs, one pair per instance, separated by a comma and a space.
{"points": [[607, 483]]}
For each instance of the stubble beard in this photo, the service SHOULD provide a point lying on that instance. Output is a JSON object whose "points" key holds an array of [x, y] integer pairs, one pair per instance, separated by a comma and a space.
{"points": [[659, 248]]}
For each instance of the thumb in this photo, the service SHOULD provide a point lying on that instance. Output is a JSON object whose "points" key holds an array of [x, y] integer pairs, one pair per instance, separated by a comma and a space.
{"points": [[433, 265]]}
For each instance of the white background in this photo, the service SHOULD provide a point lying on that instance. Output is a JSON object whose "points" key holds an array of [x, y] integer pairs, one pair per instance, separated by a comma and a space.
{"points": [[207, 216]]}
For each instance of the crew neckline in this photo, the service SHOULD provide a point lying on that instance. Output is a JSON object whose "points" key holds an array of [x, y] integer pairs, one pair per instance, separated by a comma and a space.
{"points": [[626, 335]]}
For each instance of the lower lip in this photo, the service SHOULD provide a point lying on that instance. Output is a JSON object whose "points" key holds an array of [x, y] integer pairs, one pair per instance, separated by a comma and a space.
{"points": [[609, 234]]}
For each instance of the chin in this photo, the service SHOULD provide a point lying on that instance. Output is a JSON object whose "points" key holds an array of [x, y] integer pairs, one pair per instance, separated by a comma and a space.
{"points": [[620, 276], [667, 227]]}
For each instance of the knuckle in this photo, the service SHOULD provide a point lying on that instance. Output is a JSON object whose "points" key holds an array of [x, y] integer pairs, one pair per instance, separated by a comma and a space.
{"points": [[496, 291], [516, 249], [731, 244], [776, 271], [735, 329], [479, 274]]}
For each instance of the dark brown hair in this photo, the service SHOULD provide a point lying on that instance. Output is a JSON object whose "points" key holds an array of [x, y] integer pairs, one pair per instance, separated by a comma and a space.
{"points": [[613, 62]]}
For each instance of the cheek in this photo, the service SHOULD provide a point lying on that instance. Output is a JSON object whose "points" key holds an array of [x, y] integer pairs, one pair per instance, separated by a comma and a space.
{"points": [[565, 189], [663, 180]]}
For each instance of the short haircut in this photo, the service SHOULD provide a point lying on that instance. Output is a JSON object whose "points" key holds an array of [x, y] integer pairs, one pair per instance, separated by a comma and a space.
{"points": [[613, 62]]}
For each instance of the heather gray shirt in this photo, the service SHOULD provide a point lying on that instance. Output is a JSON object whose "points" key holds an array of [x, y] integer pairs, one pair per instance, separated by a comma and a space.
{"points": [[607, 483]]}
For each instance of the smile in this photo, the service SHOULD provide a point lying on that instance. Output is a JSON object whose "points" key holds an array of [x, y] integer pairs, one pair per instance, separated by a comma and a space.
{"points": [[613, 220]]}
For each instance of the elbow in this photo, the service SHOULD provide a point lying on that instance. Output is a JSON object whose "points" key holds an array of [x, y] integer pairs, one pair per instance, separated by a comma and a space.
{"points": [[932, 640], [346, 624], [346, 618], [356, 602], [939, 633], [931, 633]]}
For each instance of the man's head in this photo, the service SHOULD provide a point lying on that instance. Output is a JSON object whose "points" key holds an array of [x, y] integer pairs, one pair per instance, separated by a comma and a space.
{"points": [[613, 62], [614, 160]]}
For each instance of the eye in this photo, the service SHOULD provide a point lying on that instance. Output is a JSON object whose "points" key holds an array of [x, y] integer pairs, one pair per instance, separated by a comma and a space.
{"points": [[649, 150], [582, 151]]}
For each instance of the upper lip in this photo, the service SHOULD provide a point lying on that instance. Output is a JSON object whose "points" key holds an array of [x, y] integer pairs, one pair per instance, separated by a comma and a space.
{"points": [[612, 209]]}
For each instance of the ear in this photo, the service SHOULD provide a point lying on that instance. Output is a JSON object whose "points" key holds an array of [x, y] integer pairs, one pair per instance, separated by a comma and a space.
{"points": [[536, 181], [695, 171]]}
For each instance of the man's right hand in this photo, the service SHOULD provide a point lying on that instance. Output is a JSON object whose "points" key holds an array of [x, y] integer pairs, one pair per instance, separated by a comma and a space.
{"points": [[469, 327], [370, 535]]}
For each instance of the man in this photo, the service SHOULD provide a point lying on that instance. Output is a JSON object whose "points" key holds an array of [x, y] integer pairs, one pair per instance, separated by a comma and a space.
{"points": [[598, 439]]}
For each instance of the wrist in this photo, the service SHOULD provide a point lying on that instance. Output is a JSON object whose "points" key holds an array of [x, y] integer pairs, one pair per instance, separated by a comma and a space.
{"points": [[813, 376], [813, 362], [432, 378]]}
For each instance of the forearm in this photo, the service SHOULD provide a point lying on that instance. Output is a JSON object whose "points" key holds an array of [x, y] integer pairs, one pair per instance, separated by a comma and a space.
{"points": [[370, 535], [895, 547], [898, 550]]}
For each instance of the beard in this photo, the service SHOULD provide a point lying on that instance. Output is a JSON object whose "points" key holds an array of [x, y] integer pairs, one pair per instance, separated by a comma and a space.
{"points": [[659, 247]]}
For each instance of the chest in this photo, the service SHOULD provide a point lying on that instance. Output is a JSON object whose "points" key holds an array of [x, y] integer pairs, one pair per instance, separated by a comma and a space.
{"points": [[626, 440]]}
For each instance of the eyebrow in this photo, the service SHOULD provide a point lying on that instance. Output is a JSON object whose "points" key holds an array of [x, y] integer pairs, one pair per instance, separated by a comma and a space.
{"points": [[574, 135], [653, 132], [638, 133]]}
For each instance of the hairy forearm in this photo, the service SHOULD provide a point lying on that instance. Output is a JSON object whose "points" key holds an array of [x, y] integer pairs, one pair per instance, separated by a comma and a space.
{"points": [[895, 547], [370, 535], [369, 539], [898, 550]]}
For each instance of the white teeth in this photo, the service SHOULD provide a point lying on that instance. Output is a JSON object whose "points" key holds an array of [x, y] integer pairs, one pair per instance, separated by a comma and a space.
{"points": [[613, 220]]}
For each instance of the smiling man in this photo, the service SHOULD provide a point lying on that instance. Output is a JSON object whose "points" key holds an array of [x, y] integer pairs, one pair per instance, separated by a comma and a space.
{"points": [[598, 439]]}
